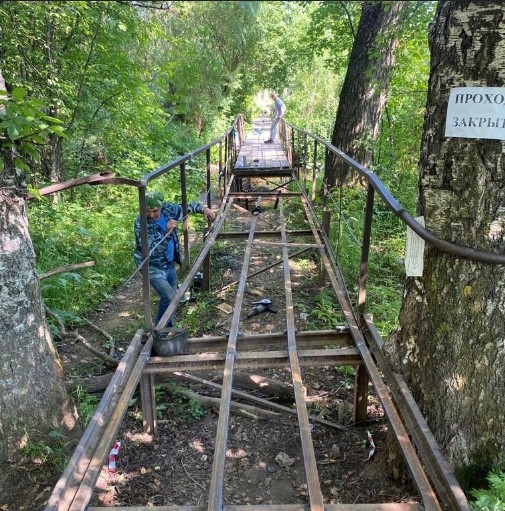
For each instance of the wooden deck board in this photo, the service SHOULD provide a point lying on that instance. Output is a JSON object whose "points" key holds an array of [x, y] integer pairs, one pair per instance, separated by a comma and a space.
{"points": [[255, 155]]}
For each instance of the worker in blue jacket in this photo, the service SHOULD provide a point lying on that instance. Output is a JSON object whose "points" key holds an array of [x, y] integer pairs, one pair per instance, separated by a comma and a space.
{"points": [[163, 244]]}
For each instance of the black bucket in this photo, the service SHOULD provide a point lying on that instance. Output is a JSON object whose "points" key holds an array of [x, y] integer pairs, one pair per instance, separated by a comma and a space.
{"points": [[170, 341]]}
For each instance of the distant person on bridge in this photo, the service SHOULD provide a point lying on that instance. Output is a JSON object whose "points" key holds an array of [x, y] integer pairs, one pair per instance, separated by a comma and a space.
{"points": [[163, 244], [279, 111]]}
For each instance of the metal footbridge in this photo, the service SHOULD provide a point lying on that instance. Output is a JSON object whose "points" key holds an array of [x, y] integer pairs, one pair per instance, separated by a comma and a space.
{"points": [[289, 170]]}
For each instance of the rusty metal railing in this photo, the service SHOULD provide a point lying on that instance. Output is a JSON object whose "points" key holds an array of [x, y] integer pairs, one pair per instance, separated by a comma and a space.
{"points": [[295, 142], [232, 140]]}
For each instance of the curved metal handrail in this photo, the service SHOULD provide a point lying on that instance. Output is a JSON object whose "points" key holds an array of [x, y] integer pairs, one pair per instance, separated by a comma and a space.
{"points": [[393, 205], [101, 178], [188, 156]]}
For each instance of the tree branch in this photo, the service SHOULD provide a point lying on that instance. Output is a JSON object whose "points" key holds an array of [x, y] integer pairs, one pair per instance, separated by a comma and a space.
{"points": [[63, 332], [349, 19], [99, 353], [67, 267]]}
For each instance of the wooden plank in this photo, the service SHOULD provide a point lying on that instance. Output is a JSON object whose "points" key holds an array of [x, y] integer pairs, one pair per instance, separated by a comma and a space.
{"points": [[66, 487], [255, 155]]}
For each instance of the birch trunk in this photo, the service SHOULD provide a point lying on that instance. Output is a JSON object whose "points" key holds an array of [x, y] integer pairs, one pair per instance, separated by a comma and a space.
{"points": [[451, 341], [33, 398]]}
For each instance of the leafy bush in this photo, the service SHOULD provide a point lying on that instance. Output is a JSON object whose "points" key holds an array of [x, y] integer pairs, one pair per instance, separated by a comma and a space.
{"points": [[92, 227], [492, 498]]}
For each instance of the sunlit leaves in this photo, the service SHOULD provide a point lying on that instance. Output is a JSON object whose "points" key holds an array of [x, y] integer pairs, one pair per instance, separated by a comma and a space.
{"points": [[332, 30], [23, 125]]}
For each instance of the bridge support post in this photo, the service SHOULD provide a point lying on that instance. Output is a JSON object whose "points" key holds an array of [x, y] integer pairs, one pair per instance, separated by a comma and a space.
{"points": [[145, 257], [148, 402], [184, 203], [221, 177], [360, 394], [326, 220], [365, 251], [206, 268], [314, 177]]}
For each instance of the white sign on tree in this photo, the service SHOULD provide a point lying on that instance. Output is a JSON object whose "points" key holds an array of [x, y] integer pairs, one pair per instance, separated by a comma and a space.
{"points": [[414, 252], [476, 112]]}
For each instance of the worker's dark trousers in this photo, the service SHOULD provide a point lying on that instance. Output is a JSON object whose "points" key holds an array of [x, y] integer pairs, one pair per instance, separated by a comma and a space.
{"points": [[164, 281]]}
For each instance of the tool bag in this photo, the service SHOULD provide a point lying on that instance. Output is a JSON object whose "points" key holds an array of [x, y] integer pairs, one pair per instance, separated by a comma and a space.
{"points": [[170, 341]]}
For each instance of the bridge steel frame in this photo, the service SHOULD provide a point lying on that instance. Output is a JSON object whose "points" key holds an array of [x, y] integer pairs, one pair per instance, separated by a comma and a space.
{"points": [[359, 344]]}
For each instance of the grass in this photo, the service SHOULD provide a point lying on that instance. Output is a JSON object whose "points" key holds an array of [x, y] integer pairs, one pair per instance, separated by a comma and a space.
{"points": [[85, 403], [74, 232], [50, 452]]}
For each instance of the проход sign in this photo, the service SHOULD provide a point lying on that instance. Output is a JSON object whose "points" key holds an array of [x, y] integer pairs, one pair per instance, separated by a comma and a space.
{"points": [[476, 112]]}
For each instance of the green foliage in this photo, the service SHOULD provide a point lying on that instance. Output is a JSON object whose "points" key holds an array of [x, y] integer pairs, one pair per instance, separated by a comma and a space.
{"points": [[24, 125], [98, 226], [493, 497], [206, 47], [51, 452], [186, 410], [396, 153], [200, 317], [86, 404], [313, 100], [331, 32], [348, 371], [325, 309], [281, 49]]}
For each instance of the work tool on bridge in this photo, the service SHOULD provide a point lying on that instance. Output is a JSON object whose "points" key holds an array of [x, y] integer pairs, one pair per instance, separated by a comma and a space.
{"points": [[264, 305]]}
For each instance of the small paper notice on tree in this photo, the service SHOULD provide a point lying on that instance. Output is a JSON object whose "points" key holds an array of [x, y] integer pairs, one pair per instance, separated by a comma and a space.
{"points": [[476, 112], [414, 253]]}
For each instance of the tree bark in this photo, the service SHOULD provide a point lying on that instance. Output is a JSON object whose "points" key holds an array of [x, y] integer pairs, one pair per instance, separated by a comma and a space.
{"points": [[450, 344], [33, 398], [365, 87]]}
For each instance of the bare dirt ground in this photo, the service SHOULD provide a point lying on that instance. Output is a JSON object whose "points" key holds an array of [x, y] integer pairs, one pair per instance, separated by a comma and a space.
{"points": [[264, 462]]}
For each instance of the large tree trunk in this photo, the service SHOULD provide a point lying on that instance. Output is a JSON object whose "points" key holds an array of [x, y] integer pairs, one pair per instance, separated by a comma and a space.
{"points": [[50, 164], [33, 398], [450, 345], [365, 87]]}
